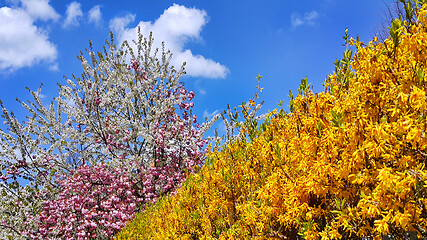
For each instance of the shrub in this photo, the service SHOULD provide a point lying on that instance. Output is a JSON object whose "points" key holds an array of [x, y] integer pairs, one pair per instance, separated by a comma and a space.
{"points": [[346, 163]]}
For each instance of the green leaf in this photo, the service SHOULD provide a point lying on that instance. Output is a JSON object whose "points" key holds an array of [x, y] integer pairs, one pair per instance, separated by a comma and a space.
{"points": [[337, 119], [420, 75], [303, 86], [291, 101], [319, 129], [396, 24], [337, 212], [346, 36]]}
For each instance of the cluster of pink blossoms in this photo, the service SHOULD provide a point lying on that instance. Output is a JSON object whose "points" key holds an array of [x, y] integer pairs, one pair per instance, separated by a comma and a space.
{"points": [[94, 202]]}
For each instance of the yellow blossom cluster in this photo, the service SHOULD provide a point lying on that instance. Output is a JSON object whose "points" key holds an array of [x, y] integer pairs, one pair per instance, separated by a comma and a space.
{"points": [[345, 163]]}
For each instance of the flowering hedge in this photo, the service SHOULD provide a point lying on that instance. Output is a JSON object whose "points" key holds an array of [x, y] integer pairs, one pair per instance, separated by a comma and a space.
{"points": [[346, 163]]}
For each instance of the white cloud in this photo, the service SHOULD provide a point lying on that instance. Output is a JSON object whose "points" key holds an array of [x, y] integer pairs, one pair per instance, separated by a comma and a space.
{"points": [[40, 9], [209, 115], [176, 26], [73, 14], [95, 15], [54, 67], [200, 66], [22, 43], [308, 19], [118, 24], [41, 95]]}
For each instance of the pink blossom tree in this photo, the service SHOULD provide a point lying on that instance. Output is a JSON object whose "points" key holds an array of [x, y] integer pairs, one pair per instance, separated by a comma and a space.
{"points": [[124, 126]]}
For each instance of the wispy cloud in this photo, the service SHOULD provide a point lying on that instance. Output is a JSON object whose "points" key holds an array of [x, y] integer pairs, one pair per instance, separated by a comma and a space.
{"points": [[176, 26], [202, 91], [40, 9], [54, 67], [95, 15], [40, 95], [118, 24], [22, 43], [307, 19], [209, 115], [73, 15]]}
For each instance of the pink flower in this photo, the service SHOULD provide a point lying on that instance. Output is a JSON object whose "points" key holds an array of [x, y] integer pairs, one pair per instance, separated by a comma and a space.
{"points": [[4, 177], [191, 95]]}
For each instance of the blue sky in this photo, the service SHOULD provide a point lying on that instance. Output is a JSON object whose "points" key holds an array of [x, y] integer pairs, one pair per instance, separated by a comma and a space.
{"points": [[226, 43]]}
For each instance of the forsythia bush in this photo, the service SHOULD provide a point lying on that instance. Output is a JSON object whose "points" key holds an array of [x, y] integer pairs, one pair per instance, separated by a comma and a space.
{"points": [[346, 163]]}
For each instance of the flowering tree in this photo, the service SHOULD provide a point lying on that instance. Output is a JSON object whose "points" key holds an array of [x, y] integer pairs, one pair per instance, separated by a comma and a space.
{"points": [[126, 121]]}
